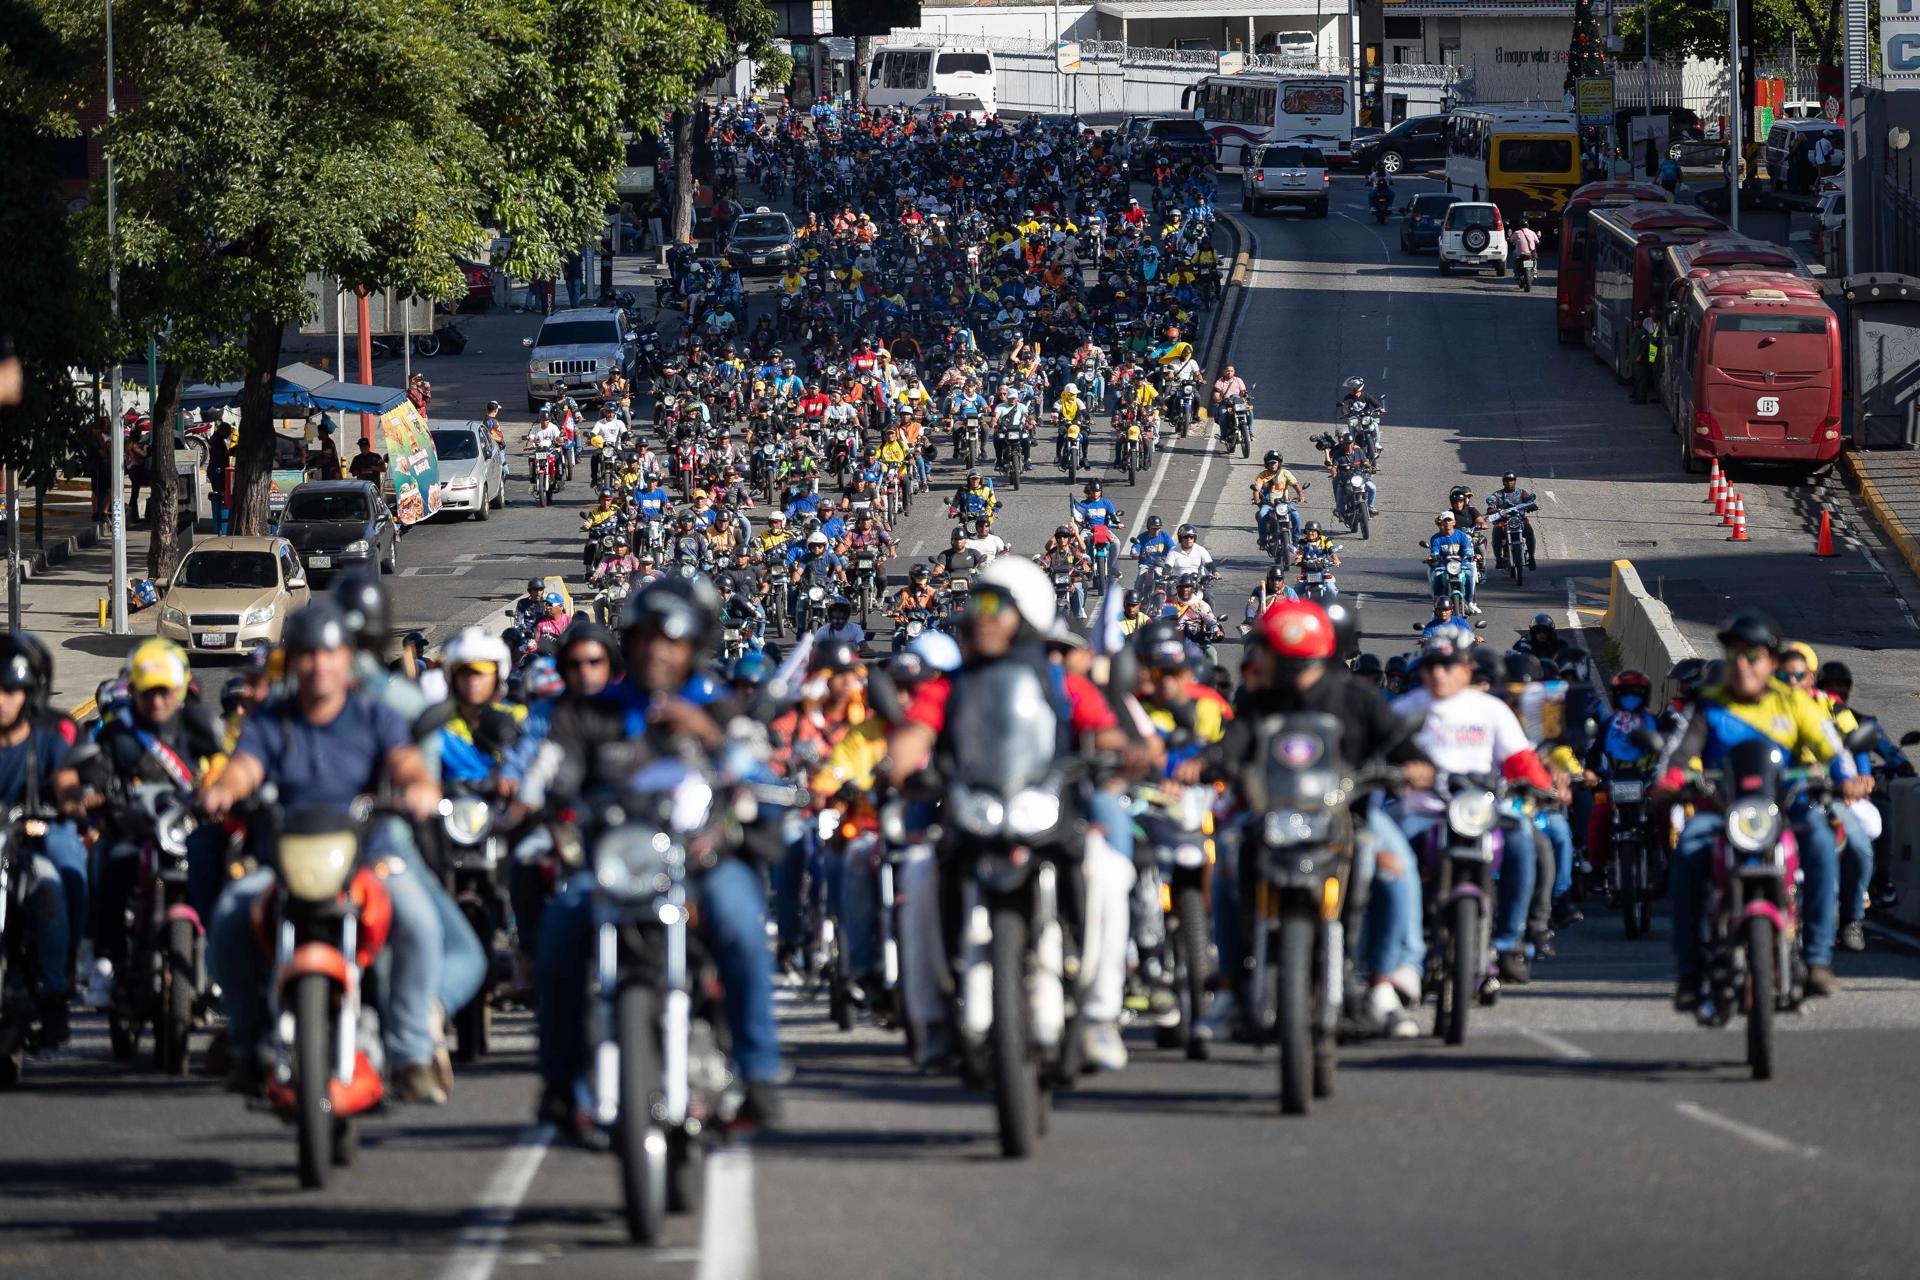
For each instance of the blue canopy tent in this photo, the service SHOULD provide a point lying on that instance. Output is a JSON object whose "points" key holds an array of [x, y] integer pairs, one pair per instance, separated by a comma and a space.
{"points": [[298, 386]]}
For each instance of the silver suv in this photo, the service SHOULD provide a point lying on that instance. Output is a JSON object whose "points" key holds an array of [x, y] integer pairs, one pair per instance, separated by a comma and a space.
{"points": [[576, 349]]}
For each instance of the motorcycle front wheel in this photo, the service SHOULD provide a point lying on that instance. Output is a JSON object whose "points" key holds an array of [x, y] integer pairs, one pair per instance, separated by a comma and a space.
{"points": [[1016, 1075], [313, 1076], [640, 1143], [1760, 994], [1465, 965], [178, 986], [1190, 913], [1293, 1021], [1631, 888]]}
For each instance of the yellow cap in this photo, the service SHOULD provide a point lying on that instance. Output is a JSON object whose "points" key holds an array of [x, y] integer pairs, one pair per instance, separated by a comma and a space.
{"points": [[157, 664], [1805, 650]]}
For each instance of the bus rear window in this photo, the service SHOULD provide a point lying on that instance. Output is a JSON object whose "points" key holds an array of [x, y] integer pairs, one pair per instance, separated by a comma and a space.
{"points": [[1536, 155], [974, 64], [1763, 323], [1314, 100]]}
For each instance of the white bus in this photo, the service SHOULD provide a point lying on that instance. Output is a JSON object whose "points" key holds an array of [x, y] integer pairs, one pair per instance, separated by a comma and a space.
{"points": [[1524, 159], [1248, 108], [903, 75]]}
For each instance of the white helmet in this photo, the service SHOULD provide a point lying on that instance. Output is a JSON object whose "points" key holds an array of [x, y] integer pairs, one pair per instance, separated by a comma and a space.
{"points": [[1072, 388], [473, 646], [1026, 584]]}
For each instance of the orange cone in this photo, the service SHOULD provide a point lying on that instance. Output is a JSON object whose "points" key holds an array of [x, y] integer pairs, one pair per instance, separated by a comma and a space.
{"points": [[1720, 495], [1824, 547], [1716, 481], [1724, 507], [1739, 519]]}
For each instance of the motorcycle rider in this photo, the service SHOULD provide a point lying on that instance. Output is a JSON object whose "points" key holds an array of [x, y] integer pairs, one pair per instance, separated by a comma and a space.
{"points": [[840, 628], [1750, 702], [1630, 693], [1348, 457], [1798, 664], [1525, 242], [328, 743], [1010, 611], [1447, 541], [1228, 385], [530, 608], [1314, 541], [467, 737], [1189, 557], [666, 708], [974, 499], [1291, 670], [33, 753], [1354, 399], [1066, 545], [1270, 491], [917, 594], [1189, 611], [1466, 731], [1510, 494]]}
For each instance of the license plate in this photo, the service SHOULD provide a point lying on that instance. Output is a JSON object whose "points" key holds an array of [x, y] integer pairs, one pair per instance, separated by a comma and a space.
{"points": [[1315, 577], [320, 562], [213, 640], [759, 259], [1628, 790]]}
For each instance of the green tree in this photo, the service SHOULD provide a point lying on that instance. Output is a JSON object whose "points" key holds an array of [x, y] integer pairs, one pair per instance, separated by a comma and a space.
{"points": [[1687, 28]]}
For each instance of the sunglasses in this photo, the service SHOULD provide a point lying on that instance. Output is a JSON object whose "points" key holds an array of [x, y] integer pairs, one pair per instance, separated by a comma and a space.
{"points": [[1750, 654], [987, 603], [1796, 677]]}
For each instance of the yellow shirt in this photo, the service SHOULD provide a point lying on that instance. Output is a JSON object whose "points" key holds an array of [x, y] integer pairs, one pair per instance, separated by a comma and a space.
{"points": [[893, 453], [1145, 395]]}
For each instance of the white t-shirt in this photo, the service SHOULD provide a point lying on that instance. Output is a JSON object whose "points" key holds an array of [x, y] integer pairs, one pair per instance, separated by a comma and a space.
{"points": [[1198, 560], [1471, 732], [988, 547]]}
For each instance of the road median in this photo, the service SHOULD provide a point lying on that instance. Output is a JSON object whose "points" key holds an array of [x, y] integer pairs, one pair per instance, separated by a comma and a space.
{"points": [[1641, 627], [1881, 510]]}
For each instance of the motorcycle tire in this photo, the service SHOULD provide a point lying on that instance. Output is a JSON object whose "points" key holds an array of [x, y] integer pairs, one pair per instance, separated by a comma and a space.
{"points": [[1761, 985], [640, 1144], [173, 1029], [544, 494], [313, 1024], [1361, 523], [686, 1173], [1517, 566], [1246, 444], [427, 345], [1631, 889], [346, 1143], [1465, 966], [1293, 1020], [1190, 953], [1013, 473], [1072, 470], [1132, 475], [1016, 1075]]}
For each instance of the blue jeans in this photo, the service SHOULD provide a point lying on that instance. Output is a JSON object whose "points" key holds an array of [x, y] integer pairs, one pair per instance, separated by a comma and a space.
{"points": [[1392, 936], [733, 900], [1856, 865], [431, 954], [789, 877], [60, 904], [1560, 835], [1108, 812], [859, 897], [1819, 865]]}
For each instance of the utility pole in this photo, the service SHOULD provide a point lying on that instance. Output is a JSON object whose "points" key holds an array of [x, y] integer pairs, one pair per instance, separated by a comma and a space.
{"points": [[1646, 24], [116, 429], [1733, 113]]}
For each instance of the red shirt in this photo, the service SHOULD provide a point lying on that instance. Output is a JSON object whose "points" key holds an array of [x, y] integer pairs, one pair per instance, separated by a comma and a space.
{"points": [[1088, 709]]}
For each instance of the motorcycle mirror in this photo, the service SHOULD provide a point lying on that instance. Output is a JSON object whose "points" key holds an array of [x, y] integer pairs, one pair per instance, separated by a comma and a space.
{"points": [[1910, 737], [526, 342]]}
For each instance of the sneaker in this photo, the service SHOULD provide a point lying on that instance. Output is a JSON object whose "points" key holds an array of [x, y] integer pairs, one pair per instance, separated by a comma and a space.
{"points": [[1853, 936], [763, 1106], [1513, 968], [100, 984], [416, 1082], [1565, 913], [1406, 980], [1383, 1006], [1162, 1009], [1542, 943], [1686, 993], [1400, 1026], [1219, 1017], [1821, 982], [1102, 1046], [1473, 609]]}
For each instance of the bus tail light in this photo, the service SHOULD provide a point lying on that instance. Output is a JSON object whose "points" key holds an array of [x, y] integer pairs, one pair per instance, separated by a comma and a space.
{"points": [[1830, 429], [1704, 425]]}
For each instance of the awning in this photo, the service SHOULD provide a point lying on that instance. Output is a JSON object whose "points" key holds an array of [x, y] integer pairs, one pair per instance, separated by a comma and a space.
{"points": [[298, 386]]}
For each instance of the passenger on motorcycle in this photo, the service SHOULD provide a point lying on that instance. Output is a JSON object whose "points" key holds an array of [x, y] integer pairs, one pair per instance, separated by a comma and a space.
{"points": [[327, 744], [665, 708], [1798, 663], [1189, 557], [1314, 542], [985, 543], [1448, 542], [1274, 486], [1510, 494], [1466, 731], [554, 622], [1349, 457], [467, 737]]}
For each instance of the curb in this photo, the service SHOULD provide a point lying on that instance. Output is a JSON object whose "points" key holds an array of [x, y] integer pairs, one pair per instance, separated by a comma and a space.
{"points": [[1881, 511], [55, 552]]}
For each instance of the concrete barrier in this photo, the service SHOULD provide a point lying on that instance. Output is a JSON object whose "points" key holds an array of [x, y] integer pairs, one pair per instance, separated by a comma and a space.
{"points": [[1642, 628], [1900, 809]]}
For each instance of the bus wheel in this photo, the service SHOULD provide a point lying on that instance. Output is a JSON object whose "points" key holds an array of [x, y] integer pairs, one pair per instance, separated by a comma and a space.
{"points": [[1689, 461]]}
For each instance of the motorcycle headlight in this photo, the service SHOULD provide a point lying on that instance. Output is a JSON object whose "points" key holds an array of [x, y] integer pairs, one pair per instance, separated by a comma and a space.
{"points": [[257, 617], [915, 627], [1753, 826], [631, 862], [1033, 812], [978, 812], [1286, 827], [1472, 814], [315, 868], [467, 819]]}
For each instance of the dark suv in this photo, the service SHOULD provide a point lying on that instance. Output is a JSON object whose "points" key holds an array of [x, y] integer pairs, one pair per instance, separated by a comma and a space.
{"points": [[1415, 141], [340, 524], [1183, 137]]}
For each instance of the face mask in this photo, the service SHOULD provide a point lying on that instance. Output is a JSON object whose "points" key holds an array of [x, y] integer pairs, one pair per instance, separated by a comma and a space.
{"points": [[1631, 702]]}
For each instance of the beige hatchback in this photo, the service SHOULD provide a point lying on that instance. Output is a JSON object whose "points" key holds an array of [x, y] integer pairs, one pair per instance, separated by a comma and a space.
{"points": [[229, 592]]}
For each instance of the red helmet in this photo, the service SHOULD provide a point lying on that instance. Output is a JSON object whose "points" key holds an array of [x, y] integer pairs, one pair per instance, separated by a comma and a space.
{"points": [[1631, 681], [1297, 629]]}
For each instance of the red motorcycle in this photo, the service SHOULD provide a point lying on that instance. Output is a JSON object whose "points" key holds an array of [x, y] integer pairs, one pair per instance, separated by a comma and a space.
{"points": [[543, 473]]}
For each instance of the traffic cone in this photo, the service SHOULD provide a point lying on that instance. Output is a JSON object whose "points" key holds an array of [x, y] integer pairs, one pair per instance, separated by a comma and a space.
{"points": [[1720, 493], [1739, 519], [1724, 508], [1824, 547], [1716, 480]]}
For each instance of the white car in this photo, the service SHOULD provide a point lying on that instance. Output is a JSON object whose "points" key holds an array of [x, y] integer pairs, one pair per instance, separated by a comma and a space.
{"points": [[1472, 236], [473, 470], [1286, 173]]}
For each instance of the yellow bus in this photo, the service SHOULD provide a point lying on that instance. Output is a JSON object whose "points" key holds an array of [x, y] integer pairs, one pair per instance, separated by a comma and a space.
{"points": [[1524, 160]]}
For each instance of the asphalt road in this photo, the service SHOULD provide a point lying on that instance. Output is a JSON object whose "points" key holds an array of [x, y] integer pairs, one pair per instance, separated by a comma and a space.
{"points": [[1584, 1130]]}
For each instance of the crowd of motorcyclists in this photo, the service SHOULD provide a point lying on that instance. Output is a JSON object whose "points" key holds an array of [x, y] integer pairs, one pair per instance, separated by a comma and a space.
{"points": [[1045, 805]]}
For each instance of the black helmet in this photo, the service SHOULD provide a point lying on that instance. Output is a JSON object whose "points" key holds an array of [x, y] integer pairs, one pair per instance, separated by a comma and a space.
{"points": [[323, 624], [1130, 600], [1153, 524], [839, 604], [1541, 620], [918, 575], [679, 608], [232, 694], [589, 632], [1486, 665], [1310, 528], [259, 658], [1187, 531], [1835, 675], [1523, 668], [537, 584], [1188, 582], [836, 657], [25, 663], [1272, 458], [363, 600], [1368, 664], [1397, 665], [1158, 644], [1750, 626], [1093, 486], [1063, 531], [16, 672], [1685, 675]]}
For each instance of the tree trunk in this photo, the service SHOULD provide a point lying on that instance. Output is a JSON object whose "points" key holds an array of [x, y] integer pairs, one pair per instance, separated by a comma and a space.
{"points": [[253, 458], [163, 546], [682, 175], [862, 61]]}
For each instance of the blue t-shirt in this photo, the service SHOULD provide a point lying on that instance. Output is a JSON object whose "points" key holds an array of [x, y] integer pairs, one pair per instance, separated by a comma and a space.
{"points": [[324, 764], [42, 744]]}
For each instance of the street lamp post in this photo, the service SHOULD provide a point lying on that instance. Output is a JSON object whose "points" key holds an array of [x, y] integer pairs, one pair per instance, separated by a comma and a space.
{"points": [[1733, 113], [116, 429]]}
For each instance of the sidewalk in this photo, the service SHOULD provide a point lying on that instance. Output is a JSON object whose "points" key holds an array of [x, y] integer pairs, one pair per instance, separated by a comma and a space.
{"points": [[66, 525], [62, 606], [1888, 483]]}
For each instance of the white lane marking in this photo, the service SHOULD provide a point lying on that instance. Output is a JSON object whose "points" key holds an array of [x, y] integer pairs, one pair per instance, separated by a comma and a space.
{"points": [[918, 546], [1153, 490], [1761, 1138], [1200, 480], [1389, 342], [1554, 1044], [1551, 496], [729, 1232], [478, 1250]]}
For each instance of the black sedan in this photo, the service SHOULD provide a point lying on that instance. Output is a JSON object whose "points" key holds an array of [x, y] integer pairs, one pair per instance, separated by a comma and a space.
{"points": [[1420, 228], [761, 241]]}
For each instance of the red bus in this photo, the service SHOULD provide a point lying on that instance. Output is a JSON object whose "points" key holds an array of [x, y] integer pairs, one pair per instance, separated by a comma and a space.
{"points": [[1688, 260], [1576, 272], [1628, 267], [1751, 370]]}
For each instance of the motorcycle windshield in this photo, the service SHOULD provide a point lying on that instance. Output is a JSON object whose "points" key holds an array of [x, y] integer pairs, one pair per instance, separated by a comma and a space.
{"points": [[1300, 762], [1004, 729]]}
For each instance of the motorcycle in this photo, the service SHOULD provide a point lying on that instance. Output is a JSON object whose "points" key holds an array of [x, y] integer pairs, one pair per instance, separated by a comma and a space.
{"points": [[867, 581], [543, 473], [447, 339], [1461, 859], [470, 857], [911, 628], [22, 867], [1447, 578], [1630, 849], [1509, 528], [1363, 424], [1236, 425], [1170, 898], [166, 946], [1380, 200], [1350, 500], [1010, 450], [1010, 816], [1305, 898], [1524, 270]]}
